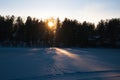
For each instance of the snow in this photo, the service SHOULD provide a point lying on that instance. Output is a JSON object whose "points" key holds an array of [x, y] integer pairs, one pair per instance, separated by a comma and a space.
{"points": [[59, 64]]}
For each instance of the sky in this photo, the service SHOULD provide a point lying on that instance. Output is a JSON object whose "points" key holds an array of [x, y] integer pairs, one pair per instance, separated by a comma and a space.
{"points": [[82, 10]]}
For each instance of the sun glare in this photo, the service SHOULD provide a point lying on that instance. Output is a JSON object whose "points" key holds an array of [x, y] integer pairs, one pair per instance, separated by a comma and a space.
{"points": [[50, 24]]}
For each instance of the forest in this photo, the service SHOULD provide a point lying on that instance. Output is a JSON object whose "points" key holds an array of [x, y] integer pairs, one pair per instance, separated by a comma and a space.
{"points": [[33, 32]]}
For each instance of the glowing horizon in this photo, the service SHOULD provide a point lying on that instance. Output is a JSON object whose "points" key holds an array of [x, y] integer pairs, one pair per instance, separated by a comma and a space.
{"points": [[81, 10]]}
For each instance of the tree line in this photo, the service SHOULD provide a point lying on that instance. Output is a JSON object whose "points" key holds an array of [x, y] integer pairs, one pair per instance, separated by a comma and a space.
{"points": [[32, 32]]}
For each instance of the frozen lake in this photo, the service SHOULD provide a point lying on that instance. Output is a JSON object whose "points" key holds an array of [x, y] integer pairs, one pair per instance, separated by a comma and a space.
{"points": [[59, 64]]}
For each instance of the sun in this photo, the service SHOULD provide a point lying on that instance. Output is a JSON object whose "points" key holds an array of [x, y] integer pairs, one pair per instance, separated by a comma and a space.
{"points": [[50, 24]]}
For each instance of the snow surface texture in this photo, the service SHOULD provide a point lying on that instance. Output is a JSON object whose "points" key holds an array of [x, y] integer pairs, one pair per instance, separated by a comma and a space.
{"points": [[59, 64]]}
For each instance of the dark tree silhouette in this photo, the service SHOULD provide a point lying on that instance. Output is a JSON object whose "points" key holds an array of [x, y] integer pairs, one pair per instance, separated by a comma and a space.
{"points": [[2, 29], [101, 32], [6, 29], [113, 31], [18, 32], [69, 33]]}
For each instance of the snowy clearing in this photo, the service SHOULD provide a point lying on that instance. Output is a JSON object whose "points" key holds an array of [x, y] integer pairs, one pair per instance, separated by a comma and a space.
{"points": [[59, 64]]}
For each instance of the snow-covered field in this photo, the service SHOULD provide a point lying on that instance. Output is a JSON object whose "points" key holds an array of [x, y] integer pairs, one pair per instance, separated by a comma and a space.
{"points": [[59, 64]]}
